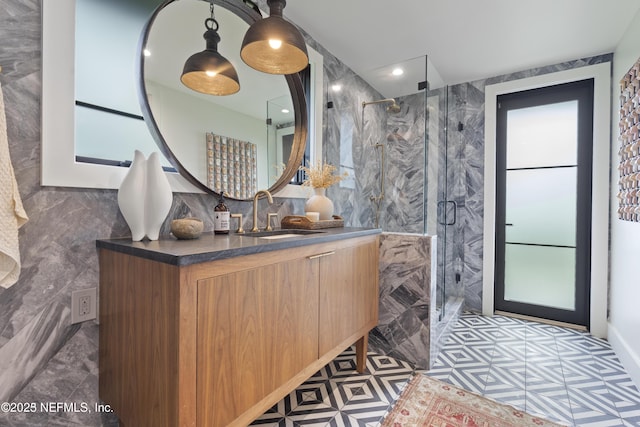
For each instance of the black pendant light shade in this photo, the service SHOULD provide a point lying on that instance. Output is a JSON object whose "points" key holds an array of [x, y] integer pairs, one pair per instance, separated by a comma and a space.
{"points": [[209, 72], [274, 45]]}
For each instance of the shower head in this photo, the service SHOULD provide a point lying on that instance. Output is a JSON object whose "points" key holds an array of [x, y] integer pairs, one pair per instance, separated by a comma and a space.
{"points": [[394, 108]]}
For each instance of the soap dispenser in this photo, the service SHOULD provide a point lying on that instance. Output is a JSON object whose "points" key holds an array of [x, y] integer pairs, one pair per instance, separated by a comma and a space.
{"points": [[221, 218]]}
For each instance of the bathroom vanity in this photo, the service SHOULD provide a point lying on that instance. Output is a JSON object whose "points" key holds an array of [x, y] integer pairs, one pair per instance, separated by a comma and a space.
{"points": [[214, 331]]}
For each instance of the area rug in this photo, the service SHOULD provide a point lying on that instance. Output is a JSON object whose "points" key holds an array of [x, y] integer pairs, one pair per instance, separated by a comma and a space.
{"points": [[427, 402]]}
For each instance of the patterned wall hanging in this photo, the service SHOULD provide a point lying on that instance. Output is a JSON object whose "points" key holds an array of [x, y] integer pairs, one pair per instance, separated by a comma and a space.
{"points": [[629, 154], [231, 166]]}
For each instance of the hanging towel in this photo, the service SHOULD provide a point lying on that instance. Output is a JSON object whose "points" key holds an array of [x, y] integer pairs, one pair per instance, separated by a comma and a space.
{"points": [[12, 214]]}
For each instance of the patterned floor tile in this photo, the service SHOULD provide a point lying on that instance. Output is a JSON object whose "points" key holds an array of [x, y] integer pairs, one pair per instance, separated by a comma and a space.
{"points": [[589, 417], [630, 411], [543, 374], [472, 379], [441, 374], [511, 374], [474, 356], [499, 389], [571, 348], [344, 420], [447, 358], [311, 399], [542, 349], [385, 365], [265, 421], [512, 350], [343, 366], [554, 406], [622, 387], [581, 365]]}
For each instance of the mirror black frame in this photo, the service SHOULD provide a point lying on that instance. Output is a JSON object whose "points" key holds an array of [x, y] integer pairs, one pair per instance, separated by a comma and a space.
{"points": [[294, 81]]}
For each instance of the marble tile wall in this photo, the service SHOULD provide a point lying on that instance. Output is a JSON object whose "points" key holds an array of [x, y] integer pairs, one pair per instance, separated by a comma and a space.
{"points": [[351, 132], [406, 306], [403, 207]]}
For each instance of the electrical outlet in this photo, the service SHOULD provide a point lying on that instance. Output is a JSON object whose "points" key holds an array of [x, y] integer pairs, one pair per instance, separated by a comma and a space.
{"points": [[83, 305]]}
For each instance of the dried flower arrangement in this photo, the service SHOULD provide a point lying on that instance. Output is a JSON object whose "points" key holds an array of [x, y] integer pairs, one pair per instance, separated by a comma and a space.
{"points": [[321, 175]]}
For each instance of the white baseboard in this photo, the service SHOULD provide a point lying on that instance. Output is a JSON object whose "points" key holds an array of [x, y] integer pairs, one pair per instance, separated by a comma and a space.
{"points": [[630, 360]]}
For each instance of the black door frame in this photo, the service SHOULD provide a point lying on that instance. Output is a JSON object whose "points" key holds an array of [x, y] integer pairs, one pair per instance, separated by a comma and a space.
{"points": [[583, 92]]}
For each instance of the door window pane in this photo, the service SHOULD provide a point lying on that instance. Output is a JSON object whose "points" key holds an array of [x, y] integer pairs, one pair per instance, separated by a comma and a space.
{"points": [[545, 135], [540, 275], [541, 205]]}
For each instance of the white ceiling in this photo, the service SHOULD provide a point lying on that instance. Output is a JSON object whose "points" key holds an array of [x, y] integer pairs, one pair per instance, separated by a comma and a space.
{"points": [[465, 40]]}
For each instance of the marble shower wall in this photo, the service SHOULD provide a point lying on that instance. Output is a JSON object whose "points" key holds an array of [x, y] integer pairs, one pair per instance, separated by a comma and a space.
{"points": [[351, 132], [403, 208], [355, 138]]}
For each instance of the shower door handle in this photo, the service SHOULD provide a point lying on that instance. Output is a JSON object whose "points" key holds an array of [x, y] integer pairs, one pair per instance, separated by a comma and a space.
{"points": [[455, 211]]}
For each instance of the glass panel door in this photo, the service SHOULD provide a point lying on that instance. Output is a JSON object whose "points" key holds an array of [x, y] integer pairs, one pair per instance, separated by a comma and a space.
{"points": [[544, 177]]}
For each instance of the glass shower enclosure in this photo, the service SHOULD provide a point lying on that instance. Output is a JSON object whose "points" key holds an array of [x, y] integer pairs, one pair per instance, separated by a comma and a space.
{"points": [[401, 144]]}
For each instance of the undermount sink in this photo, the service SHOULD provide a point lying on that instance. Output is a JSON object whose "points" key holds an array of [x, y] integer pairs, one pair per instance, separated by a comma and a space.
{"points": [[282, 233]]}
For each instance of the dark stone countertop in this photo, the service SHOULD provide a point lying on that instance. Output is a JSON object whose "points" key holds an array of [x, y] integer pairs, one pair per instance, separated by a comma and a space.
{"points": [[210, 247]]}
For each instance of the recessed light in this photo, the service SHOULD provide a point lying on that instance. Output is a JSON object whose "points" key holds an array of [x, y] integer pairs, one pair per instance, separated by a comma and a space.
{"points": [[146, 52], [336, 88], [397, 72], [285, 111]]}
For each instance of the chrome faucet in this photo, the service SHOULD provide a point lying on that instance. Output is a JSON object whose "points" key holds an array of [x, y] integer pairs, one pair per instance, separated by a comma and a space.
{"points": [[255, 207]]}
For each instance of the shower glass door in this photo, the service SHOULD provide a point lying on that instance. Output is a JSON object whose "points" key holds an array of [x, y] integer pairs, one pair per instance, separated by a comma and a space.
{"points": [[450, 196]]}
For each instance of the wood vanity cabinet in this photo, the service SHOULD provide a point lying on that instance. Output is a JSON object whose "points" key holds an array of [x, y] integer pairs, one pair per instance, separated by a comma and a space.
{"points": [[218, 343]]}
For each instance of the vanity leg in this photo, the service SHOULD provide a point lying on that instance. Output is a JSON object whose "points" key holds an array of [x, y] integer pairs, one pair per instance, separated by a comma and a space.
{"points": [[361, 353]]}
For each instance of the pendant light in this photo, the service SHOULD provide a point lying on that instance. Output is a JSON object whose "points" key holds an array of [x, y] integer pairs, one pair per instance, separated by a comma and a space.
{"points": [[207, 71], [274, 45]]}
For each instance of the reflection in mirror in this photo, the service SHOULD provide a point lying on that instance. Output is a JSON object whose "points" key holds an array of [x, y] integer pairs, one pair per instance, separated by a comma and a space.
{"points": [[184, 116], [281, 128], [108, 120], [240, 122], [61, 147]]}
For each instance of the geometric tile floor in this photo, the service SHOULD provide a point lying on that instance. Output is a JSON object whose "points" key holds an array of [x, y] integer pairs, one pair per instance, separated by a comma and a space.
{"points": [[561, 374], [338, 396]]}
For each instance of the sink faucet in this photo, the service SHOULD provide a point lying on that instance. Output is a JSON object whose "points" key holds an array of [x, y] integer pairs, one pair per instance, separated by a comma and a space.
{"points": [[255, 207]]}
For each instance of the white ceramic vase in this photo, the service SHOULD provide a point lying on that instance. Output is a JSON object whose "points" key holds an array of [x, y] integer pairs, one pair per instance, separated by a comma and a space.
{"points": [[320, 203], [130, 196], [145, 197], [157, 198]]}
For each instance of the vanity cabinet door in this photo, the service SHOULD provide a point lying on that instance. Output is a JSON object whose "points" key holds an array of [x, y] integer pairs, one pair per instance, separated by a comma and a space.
{"points": [[257, 329], [348, 295]]}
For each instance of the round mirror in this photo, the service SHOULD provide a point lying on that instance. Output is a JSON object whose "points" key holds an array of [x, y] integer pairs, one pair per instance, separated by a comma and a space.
{"points": [[240, 143]]}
